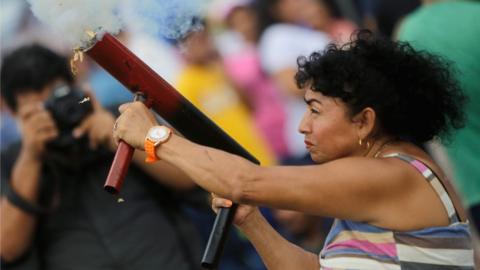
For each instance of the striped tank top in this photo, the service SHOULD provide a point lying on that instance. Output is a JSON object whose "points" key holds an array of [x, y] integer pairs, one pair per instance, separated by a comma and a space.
{"points": [[358, 246]]}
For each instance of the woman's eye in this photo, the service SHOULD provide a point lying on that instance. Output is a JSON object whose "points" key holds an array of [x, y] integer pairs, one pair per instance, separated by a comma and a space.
{"points": [[312, 110]]}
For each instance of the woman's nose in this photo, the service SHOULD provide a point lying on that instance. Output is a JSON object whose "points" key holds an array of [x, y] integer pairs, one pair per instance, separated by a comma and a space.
{"points": [[304, 126]]}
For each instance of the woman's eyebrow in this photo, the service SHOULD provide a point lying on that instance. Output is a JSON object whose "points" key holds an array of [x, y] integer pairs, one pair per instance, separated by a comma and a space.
{"points": [[311, 100]]}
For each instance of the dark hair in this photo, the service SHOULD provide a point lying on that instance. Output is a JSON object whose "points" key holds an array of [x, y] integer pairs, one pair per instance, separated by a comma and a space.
{"points": [[30, 68], [414, 94], [266, 13], [264, 10], [333, 8]]}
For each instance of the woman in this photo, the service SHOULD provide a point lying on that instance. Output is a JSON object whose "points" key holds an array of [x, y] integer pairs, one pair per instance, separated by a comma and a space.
{"points": [[370, 104]]}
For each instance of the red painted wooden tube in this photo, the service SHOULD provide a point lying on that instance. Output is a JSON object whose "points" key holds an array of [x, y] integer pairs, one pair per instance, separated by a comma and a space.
{"points": [[119, 168], [121, 162], [134, 74]]}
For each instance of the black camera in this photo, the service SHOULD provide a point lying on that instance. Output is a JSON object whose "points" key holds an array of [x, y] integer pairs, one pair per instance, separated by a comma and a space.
{"points": [[67, 109]]}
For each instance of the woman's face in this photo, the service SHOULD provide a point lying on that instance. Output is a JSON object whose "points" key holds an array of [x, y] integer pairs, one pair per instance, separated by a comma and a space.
{"points": [[329, 131]]}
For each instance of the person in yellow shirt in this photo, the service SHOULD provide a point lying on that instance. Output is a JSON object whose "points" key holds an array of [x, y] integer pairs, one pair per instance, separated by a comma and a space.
{"points": [[204, 83]]}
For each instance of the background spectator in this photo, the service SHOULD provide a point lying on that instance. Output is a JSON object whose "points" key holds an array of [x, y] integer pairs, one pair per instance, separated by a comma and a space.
{"points": [[54, 213], [238, 46], [204, 82], [438, 27]]}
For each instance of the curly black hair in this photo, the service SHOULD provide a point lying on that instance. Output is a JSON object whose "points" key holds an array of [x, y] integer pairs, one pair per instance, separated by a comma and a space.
{"points": [[414, 93], [30, 68]]}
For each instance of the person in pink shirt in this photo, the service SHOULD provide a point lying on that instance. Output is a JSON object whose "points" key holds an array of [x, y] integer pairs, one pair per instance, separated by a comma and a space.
{"points": [[242, 64]]}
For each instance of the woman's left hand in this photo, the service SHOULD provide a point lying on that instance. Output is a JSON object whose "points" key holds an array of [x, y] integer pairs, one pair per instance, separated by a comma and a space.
{"points": [[133, 124], [244, 213]]}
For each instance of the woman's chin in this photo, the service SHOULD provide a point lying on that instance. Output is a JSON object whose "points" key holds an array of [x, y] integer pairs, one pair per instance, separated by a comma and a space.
{"points": [[316, 158], [319, 158]]}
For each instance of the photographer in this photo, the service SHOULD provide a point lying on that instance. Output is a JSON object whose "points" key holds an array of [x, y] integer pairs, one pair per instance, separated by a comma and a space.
{"points": [[54, 213]]}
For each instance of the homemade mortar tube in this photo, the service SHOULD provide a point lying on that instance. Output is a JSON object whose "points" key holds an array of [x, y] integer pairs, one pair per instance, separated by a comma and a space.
{"points": [[136, 76]]}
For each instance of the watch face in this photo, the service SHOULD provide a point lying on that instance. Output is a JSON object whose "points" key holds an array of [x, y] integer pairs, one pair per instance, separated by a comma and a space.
{"points": [[158, 133]]}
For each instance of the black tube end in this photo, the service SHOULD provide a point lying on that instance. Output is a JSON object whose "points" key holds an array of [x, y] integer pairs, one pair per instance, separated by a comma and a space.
{"points": [[111, 190], [208, 265]]}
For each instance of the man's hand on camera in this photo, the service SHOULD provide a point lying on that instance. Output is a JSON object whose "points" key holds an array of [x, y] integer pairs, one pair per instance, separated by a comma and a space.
{"points": [[37, 127], [98, 126]]}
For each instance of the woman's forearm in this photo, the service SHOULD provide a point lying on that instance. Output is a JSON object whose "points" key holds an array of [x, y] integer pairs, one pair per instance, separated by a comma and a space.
{"points": [[275, 251], [210, 168], [164, 173]]}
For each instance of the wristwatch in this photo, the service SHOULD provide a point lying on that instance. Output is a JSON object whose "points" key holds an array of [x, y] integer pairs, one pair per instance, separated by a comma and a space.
{"points": [[155, 136]]}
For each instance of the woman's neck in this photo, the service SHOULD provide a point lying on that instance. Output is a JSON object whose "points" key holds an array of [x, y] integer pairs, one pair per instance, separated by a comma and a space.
{"points": [[379, 145]]}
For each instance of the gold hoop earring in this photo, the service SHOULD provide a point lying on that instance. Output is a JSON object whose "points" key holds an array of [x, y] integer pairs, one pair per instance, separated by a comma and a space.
{"points": [[368, 145], [360, 142]]}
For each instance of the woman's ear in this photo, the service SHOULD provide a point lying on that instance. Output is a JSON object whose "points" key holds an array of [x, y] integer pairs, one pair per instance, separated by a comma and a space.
{"points": [[365, 122]]}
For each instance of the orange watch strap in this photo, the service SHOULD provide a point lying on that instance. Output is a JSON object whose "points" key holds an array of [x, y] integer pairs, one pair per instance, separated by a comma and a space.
{"points": [[150, 150]]}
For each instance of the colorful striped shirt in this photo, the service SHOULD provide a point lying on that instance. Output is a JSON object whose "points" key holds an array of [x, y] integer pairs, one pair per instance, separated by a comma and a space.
{"points": [[356, 245]]}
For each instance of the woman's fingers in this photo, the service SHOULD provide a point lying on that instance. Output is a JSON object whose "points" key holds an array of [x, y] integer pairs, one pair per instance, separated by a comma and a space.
{"points": [[218, 203], [124, 106], [133, 124]]}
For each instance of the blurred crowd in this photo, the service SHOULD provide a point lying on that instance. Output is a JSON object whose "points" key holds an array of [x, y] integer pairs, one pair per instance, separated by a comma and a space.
{"points": [[239, 70]]}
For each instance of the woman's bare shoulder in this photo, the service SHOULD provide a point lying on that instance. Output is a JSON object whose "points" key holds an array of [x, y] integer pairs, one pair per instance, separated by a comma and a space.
{"points": [[419, 154]]}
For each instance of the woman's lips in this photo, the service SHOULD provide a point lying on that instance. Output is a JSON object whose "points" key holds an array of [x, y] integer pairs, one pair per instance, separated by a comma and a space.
{"points": [[308, 144]]}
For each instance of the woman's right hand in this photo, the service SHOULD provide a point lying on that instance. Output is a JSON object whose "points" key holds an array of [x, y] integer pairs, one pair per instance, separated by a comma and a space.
{"points": [[243, 214], [133, 124]]}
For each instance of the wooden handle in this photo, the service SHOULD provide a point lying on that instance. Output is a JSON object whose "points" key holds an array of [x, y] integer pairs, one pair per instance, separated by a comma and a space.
{"points": [[119, 168]]}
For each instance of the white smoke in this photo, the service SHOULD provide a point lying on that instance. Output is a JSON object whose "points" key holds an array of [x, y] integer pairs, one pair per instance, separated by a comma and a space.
{"points": [[171, 19], [72, 18]]}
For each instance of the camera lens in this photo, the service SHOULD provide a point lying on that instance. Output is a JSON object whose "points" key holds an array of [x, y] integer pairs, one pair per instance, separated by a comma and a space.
{"points": [[67, 112]]}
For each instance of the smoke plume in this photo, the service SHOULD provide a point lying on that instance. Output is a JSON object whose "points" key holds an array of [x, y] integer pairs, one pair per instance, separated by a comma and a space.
{"points": [[172, 19], [71, 18]]}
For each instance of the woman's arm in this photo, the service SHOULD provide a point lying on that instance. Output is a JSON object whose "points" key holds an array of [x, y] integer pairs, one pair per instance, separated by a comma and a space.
{"points": [[382, 192], [378, 191], [352, 188], [164, 173], [276, 251]]}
